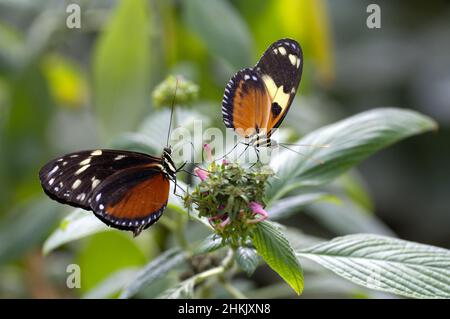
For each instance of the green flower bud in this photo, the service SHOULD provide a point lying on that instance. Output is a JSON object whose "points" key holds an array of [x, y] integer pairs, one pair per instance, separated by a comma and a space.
{"points": [[186, 92]]}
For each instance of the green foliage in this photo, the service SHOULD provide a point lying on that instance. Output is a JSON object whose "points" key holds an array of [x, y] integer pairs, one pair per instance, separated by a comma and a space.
{"points": [[193, 251], [276, 250], [164, 93], [122, 73], [349, 142], [387, 264]]}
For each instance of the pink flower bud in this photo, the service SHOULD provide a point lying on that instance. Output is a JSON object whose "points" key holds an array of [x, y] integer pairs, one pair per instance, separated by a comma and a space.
{"points": [[201, 173], [257, 209]]}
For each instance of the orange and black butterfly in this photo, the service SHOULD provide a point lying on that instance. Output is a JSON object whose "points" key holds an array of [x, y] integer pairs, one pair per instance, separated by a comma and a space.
{"points": [[125, 190], [256, 100]]}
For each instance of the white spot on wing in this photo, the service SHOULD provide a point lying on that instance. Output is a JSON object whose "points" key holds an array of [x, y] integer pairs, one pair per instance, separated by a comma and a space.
{"points": [[76, 184], [97, 198], [95, 182], [85, 162], [53, 170], [119, 157], [254, 78], [96, 153], [82, 169], [293, 91], [298, 63], [81, 196], [246, 77], [275, 51], [101, 206], [282, 50], [293, 59], [50, 182], [74, 155]]}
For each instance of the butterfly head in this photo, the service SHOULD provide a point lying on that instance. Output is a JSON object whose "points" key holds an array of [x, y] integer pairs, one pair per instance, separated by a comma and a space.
{"points": [[168, 164]]}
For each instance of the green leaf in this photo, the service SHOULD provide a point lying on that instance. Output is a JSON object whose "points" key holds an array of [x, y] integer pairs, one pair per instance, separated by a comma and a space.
{"points": [[350, 141], [345, 217], [209, 244], [290, 205], [386, 264], [122, 68], [247, 259], [106, 253], [224, 32], [76, 225], [184, 290], [154, 270], [25, 228], [276, 250], [111, 285]]}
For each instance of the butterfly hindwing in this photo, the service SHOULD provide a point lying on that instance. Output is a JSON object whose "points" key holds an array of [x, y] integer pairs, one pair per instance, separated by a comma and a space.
{"points": [[72, 178], [246, 103], [132, 199]]}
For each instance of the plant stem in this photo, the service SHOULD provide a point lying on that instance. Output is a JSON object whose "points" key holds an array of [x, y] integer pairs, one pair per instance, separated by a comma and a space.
{"points": [[233, 291]]}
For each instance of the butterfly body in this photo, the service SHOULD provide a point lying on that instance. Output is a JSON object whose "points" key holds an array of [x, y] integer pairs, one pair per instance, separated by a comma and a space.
{"points": [[125, 190], [256, 100]]}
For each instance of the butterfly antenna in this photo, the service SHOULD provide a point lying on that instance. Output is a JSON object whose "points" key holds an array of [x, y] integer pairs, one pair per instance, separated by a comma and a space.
{"points": [[302, 154], [307, 145], [171, 110]]}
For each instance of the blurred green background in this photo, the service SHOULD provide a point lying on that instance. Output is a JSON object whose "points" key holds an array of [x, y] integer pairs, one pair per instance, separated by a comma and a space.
{"points": [[65, 89]]}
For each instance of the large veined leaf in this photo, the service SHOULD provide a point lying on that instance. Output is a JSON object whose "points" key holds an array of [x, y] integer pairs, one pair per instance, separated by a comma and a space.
{"points": [[276, 250], [350, 141], [154, 270], [122, 68], [345, 217], [386, 264], [219, 25]]}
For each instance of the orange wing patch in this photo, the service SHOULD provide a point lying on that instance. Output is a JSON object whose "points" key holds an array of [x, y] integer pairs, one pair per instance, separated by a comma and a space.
{"points": [[143, 200]]}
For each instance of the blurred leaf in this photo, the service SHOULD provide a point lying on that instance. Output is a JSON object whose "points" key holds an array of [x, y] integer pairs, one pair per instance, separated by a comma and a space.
{"points": [[25, 227], [288, 206], [122, 68], [345, 217], [156, 269], [209, 244], [184, 290], [300, 240], [106, 253], [386, 264], [67, 83], [111, 285], [76, 225], [276, 250], [219, 25], [247, 259], [350, 141], [355, 188]]}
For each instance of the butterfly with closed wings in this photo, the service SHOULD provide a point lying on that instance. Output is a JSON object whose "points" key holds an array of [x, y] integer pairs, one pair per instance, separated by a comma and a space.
{"points": [[256, 100]]}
